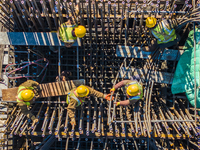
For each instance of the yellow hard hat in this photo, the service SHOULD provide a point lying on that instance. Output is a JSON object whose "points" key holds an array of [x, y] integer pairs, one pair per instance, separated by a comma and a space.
{"points": [[80, 31], [27, 95], [151, 22], [132, 90], [82, 91]]}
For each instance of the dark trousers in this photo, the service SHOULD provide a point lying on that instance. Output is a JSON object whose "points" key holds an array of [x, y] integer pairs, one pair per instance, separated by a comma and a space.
{"points": [[154, 45], [171, 43]]}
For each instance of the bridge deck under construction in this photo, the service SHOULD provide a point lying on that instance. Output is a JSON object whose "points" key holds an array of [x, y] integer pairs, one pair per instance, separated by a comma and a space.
{"points": [[110, 51]]}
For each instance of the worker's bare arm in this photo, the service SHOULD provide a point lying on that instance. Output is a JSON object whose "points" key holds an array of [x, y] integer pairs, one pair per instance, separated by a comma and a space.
{"points": [[95, 93], [29, 83], [122, 83], [123, 103]]}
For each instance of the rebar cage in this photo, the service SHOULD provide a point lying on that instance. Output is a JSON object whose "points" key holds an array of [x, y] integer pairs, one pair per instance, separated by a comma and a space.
{"points": [[108, 24]]}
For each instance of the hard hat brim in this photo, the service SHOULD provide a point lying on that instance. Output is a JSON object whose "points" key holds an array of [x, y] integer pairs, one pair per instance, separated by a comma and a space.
{"points": [[84, 95], [30, 98]]}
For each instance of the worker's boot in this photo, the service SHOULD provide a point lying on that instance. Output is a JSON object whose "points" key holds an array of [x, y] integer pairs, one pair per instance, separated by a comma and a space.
{"points": [[54, 48], [68, 45], [152, 47], [64, 76]]}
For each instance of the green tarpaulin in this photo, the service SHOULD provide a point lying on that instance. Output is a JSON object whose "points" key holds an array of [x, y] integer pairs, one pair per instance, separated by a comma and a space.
{"points": [[183, 80]]}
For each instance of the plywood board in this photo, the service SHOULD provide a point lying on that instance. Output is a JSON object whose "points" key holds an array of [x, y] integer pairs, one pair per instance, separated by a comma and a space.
{"points": [[9, 94]]}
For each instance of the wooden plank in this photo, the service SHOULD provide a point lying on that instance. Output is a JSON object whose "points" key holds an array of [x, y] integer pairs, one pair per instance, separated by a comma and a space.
{"points": [[58, 88], [51, 89], [32, 38], [67, 85], [46, 89], [136, 52], [42, 92], [61, 87], [157, 76], [54, 87], [9, 94]]}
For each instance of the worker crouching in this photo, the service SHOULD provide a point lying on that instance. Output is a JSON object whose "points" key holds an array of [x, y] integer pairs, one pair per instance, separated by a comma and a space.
{"points": [[68, 33], [77, 96], [27, 93], [164, 33], [134, 91]]}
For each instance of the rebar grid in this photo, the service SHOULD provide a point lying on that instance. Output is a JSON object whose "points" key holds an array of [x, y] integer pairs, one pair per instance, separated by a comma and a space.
{"points": [[107, 26]]}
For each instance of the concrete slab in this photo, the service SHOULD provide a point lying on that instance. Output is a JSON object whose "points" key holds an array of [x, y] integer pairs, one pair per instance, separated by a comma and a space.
{"points": [[32, 38]]}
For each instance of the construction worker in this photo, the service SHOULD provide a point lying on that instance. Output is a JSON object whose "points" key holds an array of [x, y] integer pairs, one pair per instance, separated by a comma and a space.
{"points": [[164, 33], [68, 33], [77, 96], [134, 91], [27, 93]]}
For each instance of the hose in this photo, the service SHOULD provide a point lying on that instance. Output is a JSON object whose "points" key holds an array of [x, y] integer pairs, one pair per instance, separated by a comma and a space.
{"points": [[3, 83], [28, 63]]}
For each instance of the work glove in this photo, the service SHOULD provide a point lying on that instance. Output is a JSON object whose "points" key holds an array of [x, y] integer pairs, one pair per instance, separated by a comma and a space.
{"points": [[73, 121], [112, 90], [37, 90], [107, 97], [117, 103]]}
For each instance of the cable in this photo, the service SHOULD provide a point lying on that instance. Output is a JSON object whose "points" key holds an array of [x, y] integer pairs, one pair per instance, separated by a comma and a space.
{"points": [[37, 53], [28, 63], [3, 83]]}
